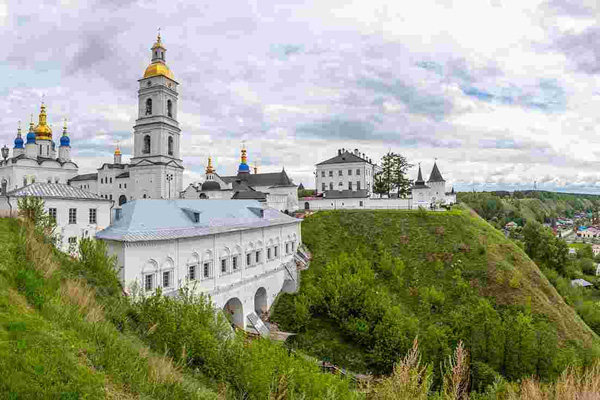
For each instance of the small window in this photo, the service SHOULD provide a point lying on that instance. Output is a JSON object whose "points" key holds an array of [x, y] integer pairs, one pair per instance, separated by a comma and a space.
{"points": [[170, 108], [192, 273], [257, 256], [276, 251], [101, 180], [119, 186], [196, 217], [340, 184], [349, 172], [166, 279], [110, 196], [170, 145], [206, 270], [349, 185], [52, 214], [234, 263], [72, 215], [110, 180], [293, 246], [331, 173], [268, 253], [148, 282], [248, 259], [287, 248], [322, 174], [146, 148], [357, 185], [125, 185], [149, 107], [223, 265], [323, 187], [330, 185], [93, 213], [340, 173], [49, 180], [358, 172]]}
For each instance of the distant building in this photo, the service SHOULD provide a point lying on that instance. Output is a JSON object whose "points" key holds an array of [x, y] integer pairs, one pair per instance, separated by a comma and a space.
{"points": [[581, 283], [347, 171], [78, 213], [240, 254], [432, 192], [511, 225]]}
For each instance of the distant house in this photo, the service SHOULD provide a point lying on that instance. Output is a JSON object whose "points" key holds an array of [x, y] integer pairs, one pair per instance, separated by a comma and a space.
{"points": [[511, 225], [580, 283], [596, 249]]}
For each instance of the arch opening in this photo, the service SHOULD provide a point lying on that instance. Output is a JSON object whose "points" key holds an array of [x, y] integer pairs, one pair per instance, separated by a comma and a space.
{"points": [[260, 302], [234, 311], [122, 199]]}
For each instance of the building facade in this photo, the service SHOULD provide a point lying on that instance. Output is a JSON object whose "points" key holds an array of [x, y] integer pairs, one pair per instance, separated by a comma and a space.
{"points": [[237, 252], [432, 192], [36, 159], [78, 213], [275, 189], [155, 170], [351, 171]]}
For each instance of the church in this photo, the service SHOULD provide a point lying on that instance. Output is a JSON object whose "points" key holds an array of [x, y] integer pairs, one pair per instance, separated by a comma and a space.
{"points": [[274, 189], [35, 158], [156, 169]]}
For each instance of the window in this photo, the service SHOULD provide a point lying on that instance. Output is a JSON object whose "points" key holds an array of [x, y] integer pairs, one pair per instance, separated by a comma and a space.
{"points": [[119, 186], [223, 265], [268, 253], [169, 108], [166, 279], [93, 213], [24, 181], [149, 107], [148, 282], [125, 185], [192, 272], [72, 215], [52, 214], [349, 185], [330, 173], [72, 240], [101, 180], [234, 263], [146, 148], [206, 270], [287, 248], [257, 256], [340, 173], [330, 185], [349, 172], [49, 180], [340, 184], [293, 246], [357, 185], [56, 180], [110, 180], [110, 197], [322, 174], [275, 251], [248, 259], [323, 187], [170, 145], [358, 172]]}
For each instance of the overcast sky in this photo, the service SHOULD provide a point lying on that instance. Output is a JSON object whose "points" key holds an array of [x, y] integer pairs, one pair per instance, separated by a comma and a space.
{"points": [[502, 93]]}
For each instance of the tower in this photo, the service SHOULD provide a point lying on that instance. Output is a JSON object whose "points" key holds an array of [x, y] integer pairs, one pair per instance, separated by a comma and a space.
{"points": [[156, 167], [18, 149], [117, 156], [43, 135], [436, 183], [64, 151]]}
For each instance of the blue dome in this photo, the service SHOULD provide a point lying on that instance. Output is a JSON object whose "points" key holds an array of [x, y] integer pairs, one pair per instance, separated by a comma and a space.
{"points": [[19, 143], [31, 137], [244, 168], [65, 141]]}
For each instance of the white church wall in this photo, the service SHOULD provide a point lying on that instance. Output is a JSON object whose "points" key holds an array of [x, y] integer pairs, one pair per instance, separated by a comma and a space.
{"points": [[359, 203]]}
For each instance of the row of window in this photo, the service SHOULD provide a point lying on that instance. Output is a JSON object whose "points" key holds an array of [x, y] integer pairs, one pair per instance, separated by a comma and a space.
{"points": [[105, 180], [148, 142], [227, 265], [93, 215], [149, 106], [340, 185], [341, 173], [31, 179]]}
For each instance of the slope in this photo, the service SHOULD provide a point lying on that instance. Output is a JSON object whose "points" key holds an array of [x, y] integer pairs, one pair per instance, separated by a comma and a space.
{"points": [[380, 278]]}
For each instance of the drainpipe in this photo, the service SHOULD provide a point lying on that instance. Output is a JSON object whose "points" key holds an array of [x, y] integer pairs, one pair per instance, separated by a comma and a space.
{"points": [[112, 204], [9, 205]]}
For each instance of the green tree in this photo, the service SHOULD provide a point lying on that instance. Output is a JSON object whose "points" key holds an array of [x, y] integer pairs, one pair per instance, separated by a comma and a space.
{"points": [[394, 167], [380, 186]]}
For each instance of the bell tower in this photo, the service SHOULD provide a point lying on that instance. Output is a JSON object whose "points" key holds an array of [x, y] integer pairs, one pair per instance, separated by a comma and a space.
{"points": [[156, 167]]}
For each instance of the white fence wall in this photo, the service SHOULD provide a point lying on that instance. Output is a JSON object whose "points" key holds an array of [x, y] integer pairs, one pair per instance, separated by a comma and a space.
{"points": [[350, 204]]}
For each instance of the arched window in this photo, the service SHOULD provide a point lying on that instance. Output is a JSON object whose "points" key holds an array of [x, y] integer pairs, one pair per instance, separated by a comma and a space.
{"points": [[146, 148], [149, 107], [144, 196], [330, 185], [169, 108], [122, 200], [4, 185], [24, 181], [306, 205], [170, 145]]}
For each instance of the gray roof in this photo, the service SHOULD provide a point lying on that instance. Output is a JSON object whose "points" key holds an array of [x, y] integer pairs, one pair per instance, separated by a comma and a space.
{"points": [[271, 179], [580, 282], [210, 185], [54, 190], [344, 158], [249, 195], [41, 159], [435, 176], [152, 219], [84, 177], [346, 194], [122, 175]]}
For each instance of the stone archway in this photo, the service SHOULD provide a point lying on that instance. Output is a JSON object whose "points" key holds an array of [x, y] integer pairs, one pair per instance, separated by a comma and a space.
{"points": [[260, 302], [234, 311], [122, 199], [306, 205]]}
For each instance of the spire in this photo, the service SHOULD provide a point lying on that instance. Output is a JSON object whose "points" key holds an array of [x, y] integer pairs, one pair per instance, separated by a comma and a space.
{"points": [[19, 138], [117, 155], [31, 133], [435, 176], [209, 167], [244, 168], [42, 130], [420, 176]]}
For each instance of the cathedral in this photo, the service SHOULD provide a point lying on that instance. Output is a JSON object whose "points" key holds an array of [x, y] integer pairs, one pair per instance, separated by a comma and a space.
{"points": [[35, 158], [156, 170]]}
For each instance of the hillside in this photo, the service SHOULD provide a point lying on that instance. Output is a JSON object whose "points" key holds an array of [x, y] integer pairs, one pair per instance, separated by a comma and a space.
{"points": [[381, 278], [66, 331]]}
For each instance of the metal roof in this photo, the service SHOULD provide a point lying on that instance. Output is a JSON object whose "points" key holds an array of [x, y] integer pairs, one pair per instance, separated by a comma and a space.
{"points": [[153, 219], [54, 190], [84, 177], [344, 158], [435, 176], [277, 179]]}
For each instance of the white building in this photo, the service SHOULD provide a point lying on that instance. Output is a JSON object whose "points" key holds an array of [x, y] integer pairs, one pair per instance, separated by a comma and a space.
{"points": [[78, 213], [351, 171], [236, 251], [155, 170], [434, 192], [275, 189], [37, 159]]}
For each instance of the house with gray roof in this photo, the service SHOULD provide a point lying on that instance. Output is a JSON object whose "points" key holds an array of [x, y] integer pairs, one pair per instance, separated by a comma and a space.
{"points": [[347, 171]]}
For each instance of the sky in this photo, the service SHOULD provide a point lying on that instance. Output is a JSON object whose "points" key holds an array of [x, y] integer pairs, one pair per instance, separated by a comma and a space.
{"points": [[502, 93]]}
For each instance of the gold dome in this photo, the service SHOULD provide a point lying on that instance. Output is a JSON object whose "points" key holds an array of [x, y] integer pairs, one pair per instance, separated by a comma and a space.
{"points": [[117, 152], [42, 130], [158, 69]]}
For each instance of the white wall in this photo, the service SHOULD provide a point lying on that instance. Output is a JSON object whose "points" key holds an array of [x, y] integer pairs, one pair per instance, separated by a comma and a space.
{"points": [[365, 177], [366, 203], [29, 169]]}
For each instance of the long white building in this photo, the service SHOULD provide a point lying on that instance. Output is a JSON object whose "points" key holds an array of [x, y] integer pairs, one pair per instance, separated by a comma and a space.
{"points": [[236, 251]]}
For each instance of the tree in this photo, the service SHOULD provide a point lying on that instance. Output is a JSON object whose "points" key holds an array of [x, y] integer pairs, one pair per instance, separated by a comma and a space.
{"points": [[394, 167], [379, 184]]}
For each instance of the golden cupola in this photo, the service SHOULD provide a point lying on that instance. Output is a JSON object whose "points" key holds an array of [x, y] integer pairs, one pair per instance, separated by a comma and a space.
{"points": [[42, 130], [209, 167], [158, 66]]}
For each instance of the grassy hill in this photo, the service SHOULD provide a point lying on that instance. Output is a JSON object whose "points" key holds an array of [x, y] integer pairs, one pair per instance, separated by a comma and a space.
{"points": [[381, 278], [66, 331]]}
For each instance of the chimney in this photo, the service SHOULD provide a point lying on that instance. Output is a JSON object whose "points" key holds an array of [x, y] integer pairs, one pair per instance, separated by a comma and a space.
{"points": [[339, 152]]}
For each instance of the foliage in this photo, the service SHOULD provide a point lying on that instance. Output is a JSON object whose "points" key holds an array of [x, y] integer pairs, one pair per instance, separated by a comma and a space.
{"points": [[32, 210], [380, 185], [394, 168]]}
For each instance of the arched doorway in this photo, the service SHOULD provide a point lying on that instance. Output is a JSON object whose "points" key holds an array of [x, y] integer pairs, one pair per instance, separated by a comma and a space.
{"points": [[122, 199], [306, 205], [260, 302], [234, 312]]}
